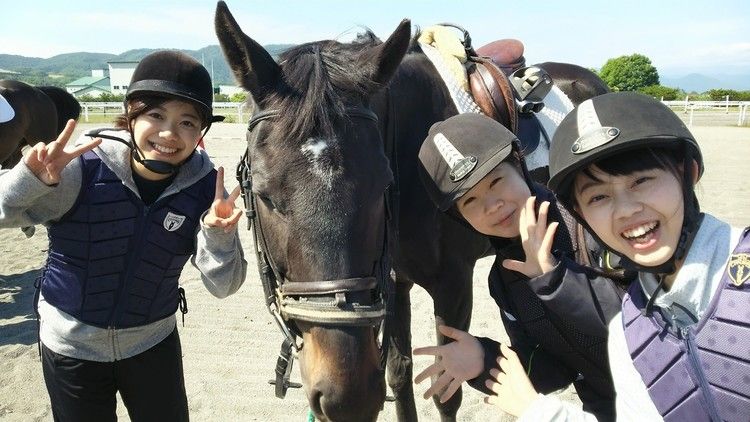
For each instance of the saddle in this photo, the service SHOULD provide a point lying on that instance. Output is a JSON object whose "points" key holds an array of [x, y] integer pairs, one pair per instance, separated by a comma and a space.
{"points": [[487, 70], [500, 84], [492, 92]]}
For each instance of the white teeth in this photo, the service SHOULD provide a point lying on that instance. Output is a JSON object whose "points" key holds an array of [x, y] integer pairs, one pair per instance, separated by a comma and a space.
{"points": [[164, 149], [639, 231]]}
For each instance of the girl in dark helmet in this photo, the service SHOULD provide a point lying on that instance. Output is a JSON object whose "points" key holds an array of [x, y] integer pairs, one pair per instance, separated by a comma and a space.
{"points": [[124, 214], [626, 166], [555, 308]]}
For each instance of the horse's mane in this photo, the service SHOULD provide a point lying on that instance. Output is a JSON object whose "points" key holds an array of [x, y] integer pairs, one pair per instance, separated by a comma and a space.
{"points": [[320, 79]]}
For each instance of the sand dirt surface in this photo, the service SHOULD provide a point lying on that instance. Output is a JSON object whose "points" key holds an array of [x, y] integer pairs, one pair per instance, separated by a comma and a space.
{"points": [[230, 345]]}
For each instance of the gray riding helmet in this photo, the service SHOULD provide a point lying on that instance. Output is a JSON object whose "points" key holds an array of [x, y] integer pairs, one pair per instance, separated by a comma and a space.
{"points": [[459, 151], [613, 123], [174, 74], [609, 124]]}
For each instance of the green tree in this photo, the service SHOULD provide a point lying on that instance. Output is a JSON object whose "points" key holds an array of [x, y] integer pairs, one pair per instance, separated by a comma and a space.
{"points": [[662, 92], [629, 73], [239, 97]]}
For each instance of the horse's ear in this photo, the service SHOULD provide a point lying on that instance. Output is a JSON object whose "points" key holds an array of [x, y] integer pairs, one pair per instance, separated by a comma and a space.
{"points": [[387, 56], [253, 67]]}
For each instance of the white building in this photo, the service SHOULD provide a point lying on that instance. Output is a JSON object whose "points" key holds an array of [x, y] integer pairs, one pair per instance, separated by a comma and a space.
{"points": [[120, 74]]}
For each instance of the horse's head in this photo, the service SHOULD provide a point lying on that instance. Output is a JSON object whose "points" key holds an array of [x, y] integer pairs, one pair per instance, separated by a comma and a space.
{"points": [[319, 175]]}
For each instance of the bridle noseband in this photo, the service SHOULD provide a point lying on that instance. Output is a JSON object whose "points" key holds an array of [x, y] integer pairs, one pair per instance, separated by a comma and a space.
{"points": [[327, 302]]}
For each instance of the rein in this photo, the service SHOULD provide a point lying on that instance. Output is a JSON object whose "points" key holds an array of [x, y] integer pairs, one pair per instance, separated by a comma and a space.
{"points": [[351, 302]]}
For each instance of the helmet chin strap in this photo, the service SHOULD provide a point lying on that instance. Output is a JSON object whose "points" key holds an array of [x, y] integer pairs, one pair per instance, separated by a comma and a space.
{"points": [[156, 166], [692, 218]]}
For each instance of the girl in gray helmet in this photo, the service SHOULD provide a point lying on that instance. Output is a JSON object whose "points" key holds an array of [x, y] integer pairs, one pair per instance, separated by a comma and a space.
{"points": [[125, 209], [626, 166], [555, 307]]}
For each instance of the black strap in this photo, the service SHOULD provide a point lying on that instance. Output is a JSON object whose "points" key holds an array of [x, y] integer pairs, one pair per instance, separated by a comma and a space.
{"points": [[183, 304]]}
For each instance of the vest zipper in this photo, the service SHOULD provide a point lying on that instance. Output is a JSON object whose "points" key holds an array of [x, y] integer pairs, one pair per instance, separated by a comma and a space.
{"points": [[692, 352]]}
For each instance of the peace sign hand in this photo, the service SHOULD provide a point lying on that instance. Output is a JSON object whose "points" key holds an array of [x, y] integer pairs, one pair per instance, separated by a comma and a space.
{"points": [[47, 161], [460, 360], [223, 212], [514, 390], [536, 238]]}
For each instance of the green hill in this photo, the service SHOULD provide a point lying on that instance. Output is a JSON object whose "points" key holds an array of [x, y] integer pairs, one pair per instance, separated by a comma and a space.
{"points": [[64, 68]]}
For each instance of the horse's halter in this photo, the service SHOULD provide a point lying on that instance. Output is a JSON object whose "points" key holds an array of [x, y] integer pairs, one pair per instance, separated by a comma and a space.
{"points": [[333, 301]]}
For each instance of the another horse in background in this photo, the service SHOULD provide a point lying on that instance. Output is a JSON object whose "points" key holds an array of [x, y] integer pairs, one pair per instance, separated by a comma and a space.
{"points": [[40, 115], [332, 185]]}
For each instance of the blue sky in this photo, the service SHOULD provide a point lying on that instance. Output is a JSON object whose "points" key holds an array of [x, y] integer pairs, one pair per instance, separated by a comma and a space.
{"points": [[679, 37]]}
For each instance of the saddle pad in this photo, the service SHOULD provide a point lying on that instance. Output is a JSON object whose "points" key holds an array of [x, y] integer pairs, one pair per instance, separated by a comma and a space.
{"points": [[461, 98], [556, 106]]}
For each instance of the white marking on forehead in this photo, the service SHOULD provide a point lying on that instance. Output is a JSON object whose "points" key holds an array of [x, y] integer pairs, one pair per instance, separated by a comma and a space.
{"points": [[313, 149]]}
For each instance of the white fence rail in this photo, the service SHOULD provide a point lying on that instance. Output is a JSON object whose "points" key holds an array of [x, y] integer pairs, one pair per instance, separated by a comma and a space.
{"points": [[239, 111], [706, 108], [113, 109]]}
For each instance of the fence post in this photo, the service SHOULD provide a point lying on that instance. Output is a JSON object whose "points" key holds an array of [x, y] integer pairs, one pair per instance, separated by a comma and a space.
{"points": [[692, 109], [686, 103], [727, 105], [86, 113]]}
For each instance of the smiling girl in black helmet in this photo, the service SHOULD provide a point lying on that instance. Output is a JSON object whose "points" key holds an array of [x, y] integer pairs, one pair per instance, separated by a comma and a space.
{"points": [[125, 211], [626, 166], [554, 308]]}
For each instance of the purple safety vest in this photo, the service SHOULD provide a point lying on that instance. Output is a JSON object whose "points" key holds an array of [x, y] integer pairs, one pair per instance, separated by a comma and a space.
{"points": [[701, 372]]}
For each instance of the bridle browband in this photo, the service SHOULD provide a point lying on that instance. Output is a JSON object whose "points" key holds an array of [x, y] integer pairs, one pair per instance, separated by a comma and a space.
{"points": [[351, 302]]}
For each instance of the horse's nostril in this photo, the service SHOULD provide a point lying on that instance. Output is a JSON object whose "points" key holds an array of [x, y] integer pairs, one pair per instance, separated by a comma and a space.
{"points": [[316, 399]]}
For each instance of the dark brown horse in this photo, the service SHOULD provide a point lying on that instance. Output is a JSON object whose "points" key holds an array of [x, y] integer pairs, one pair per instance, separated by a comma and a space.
{"points": [[331, 164], [40, 115]]}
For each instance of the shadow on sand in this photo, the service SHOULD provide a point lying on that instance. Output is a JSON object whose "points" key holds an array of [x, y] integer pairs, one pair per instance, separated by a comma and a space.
{"points": [[17, 308]]}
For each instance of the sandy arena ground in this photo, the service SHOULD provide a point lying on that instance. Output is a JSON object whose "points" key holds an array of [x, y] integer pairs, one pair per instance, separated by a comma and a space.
{"points": [[230, 345]]}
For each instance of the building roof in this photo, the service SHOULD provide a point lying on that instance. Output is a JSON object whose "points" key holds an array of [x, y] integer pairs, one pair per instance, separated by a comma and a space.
{"points": [[90, 90], [98, 81]]}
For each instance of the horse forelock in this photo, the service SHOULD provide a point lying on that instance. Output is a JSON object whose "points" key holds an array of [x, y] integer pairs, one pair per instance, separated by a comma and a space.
{"points": [[320, 80]]}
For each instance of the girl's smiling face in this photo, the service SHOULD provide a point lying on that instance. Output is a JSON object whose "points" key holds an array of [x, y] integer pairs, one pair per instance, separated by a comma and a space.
{"points": [[494, 204], [168, 132], [639, 214]]}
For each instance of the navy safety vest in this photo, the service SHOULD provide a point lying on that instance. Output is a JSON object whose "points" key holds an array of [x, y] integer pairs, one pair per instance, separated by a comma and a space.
{"points": [[113, 261], [581, 351], [701, 372]]}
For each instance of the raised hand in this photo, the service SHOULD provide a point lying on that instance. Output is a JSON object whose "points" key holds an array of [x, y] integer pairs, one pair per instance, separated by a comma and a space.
{"points": [[460, 360], [47, 161], [536, 238], [514, 390], [223, 212]]}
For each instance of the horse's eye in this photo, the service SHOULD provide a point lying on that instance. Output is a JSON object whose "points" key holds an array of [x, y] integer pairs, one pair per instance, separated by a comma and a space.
{"points": [[269, 203]]}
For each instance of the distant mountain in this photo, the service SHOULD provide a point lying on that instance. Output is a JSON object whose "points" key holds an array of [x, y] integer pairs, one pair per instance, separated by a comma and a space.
{"points": [[64, 68], [697, 82]]}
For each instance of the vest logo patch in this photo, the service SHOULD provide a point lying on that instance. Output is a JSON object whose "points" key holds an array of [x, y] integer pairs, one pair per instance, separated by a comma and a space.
{"points": [[173, 222], [739, 268]]}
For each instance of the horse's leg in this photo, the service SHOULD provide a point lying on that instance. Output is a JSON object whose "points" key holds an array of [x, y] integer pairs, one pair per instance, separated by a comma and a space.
{"points": [[452, 296], [400, 372]]}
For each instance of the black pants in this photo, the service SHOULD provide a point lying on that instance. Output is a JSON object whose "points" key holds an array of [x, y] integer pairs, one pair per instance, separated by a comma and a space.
{"points": [[151, 385]]}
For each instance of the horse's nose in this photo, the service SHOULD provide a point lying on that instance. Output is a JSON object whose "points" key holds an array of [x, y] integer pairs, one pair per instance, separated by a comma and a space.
{"points": [[330, 403]]}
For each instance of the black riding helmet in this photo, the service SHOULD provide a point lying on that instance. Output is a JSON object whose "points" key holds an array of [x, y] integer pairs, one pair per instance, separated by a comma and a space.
{"points": [[172, 74], [459, 151], [613, 123]]}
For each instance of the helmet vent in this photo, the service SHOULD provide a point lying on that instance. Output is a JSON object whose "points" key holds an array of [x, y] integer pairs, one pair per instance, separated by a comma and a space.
{"points": [[460, 165]]}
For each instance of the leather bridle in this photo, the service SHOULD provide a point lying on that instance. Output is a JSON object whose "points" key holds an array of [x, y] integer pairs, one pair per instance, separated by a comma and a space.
{"points": [[350, 302]]}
